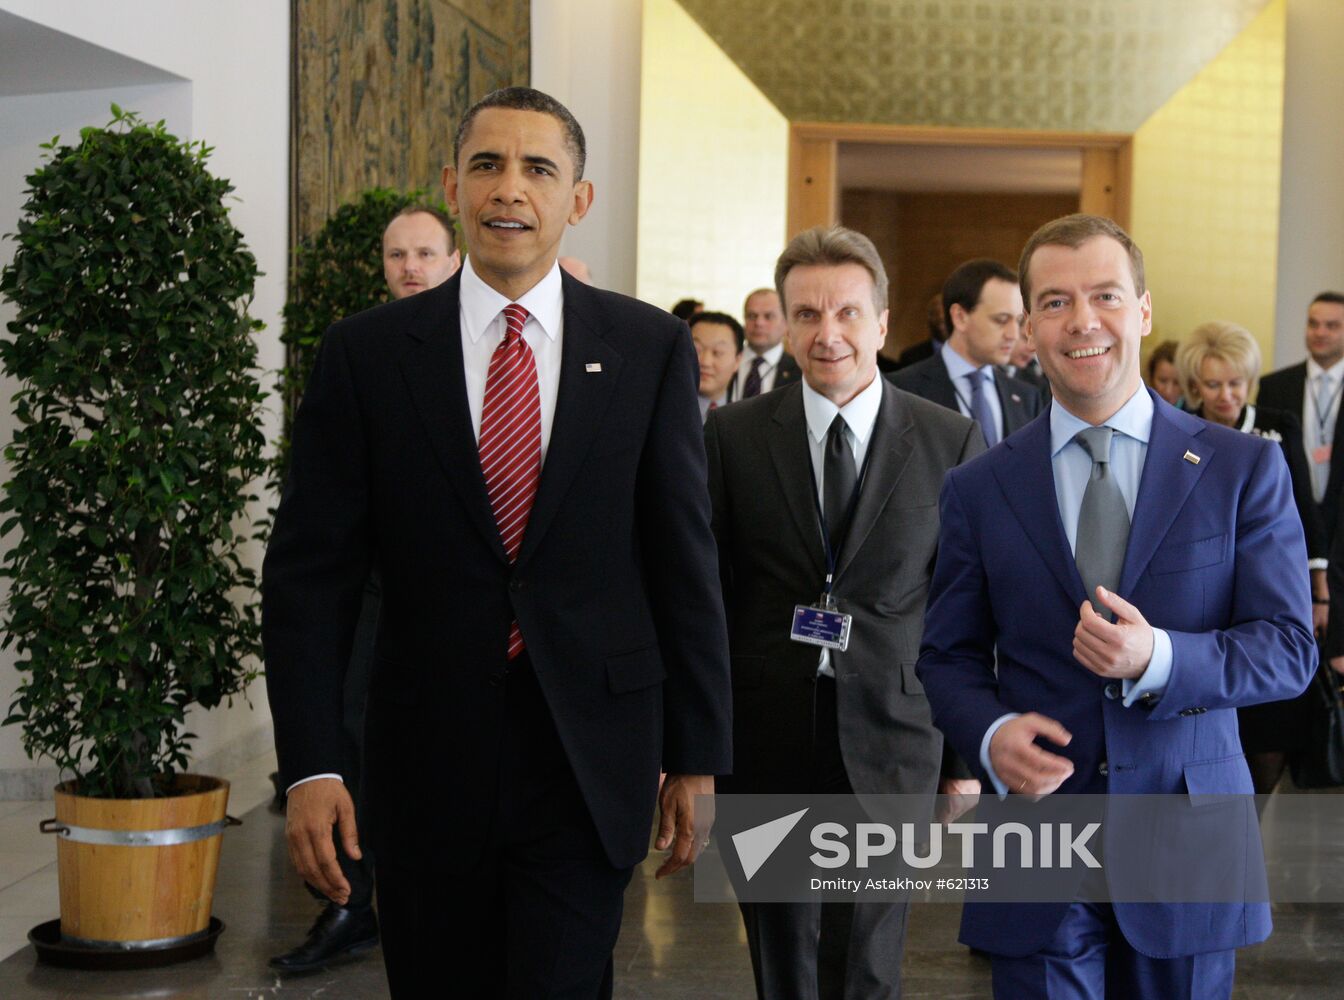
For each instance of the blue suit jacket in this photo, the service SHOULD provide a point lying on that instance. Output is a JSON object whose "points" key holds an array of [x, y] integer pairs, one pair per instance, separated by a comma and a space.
{"points": [[1206, 561]]}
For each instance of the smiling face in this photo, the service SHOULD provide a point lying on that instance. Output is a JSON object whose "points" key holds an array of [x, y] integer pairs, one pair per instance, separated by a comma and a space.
{"points": [[1086, 323], [416, 254], [835, 330], [1222, 388], [716, 350], [514, 191], [987, 334]]}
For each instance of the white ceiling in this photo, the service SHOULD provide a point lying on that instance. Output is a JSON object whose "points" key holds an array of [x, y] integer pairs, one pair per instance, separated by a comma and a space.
{"points": [[883, 167], [35, 59]]}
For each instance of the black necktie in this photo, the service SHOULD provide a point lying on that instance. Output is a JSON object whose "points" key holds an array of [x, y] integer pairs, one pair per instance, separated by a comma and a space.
{"points": [[752, 387], [838, 481]]}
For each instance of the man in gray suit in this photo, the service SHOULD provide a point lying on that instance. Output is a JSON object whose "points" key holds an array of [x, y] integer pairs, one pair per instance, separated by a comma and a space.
{"points": [[842, 468]]}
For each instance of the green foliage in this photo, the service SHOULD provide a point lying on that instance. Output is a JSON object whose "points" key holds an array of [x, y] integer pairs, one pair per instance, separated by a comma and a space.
{"points": [[338, 272], [139, 416]]}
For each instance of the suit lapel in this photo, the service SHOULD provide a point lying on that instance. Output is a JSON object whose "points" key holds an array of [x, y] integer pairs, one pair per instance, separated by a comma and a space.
{"points": [[790, 453], [434, 376], [1030, 495], [1014, 411], [941, 389], [579, 407], [888, 452], [1168, 478]]}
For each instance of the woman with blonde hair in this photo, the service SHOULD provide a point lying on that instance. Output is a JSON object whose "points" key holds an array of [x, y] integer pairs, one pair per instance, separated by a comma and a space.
{"points": [[1219, 366]]}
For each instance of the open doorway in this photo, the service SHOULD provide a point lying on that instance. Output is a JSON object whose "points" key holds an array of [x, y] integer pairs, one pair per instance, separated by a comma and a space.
{"points": [[931, 198]]}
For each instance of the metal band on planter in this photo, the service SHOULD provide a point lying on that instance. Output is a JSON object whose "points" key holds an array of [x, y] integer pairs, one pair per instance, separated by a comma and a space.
{"points": [[172, 942], [137, 838]]}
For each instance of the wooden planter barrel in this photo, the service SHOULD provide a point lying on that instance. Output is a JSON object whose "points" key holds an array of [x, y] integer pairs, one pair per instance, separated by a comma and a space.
{"points": [[139, 873]]}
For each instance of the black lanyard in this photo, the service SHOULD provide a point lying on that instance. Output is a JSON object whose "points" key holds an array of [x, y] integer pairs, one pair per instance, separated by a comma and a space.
{"points": [[833, 554], [1323, 419]]}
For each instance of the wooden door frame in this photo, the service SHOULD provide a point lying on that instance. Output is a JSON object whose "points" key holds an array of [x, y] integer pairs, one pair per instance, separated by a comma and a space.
{"points": [[814, 196]]}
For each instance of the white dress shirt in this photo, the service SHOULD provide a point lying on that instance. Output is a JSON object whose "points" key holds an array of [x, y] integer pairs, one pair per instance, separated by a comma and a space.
{"points": [[860, 415], [769, 366], [1319, 428], [480, 315]]}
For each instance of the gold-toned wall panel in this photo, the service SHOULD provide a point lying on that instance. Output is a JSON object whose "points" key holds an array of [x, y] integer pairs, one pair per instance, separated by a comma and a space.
{"points": [[1206, 190], [1085, 65], [380, 85]]}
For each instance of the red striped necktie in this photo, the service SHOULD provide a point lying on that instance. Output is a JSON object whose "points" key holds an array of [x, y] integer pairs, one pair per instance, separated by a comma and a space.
{"points": [[510, 442]]}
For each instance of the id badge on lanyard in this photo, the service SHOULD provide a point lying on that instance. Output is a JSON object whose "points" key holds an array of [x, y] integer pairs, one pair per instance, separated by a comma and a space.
{"points": [[822, 623]]}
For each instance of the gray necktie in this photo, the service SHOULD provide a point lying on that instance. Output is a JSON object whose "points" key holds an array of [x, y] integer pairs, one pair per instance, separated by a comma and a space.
{"points": [[980, 408], [1103, 521], [837, 485]]}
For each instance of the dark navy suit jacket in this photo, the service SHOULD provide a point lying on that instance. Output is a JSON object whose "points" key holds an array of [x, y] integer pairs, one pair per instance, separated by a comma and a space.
{"points": [[615, 586], [1209, 557]]}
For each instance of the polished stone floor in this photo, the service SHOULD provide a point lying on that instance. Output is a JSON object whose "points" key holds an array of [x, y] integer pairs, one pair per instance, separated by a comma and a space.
{"points": [[670, 946]]}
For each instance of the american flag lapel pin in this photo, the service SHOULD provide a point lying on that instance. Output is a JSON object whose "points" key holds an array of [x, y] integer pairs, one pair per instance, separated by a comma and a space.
{"points": [[593, 366], [1192, 458]]}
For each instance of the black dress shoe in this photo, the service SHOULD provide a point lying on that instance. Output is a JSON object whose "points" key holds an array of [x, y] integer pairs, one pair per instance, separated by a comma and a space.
{"points": [[339, 932]]}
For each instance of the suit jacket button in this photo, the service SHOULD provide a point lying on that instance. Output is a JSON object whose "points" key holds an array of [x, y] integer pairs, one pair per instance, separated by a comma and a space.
{"points": [[1102, 769], [516, 585], [1112, 691]]}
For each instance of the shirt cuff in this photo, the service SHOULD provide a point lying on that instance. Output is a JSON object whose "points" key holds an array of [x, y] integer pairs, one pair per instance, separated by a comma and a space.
{"points": [[1318, 564], [999, 786], [313, 777], [1152, 684]]}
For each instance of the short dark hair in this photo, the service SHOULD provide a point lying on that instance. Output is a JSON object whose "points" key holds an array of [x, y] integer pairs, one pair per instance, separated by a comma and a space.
{"points": [[1073, 231], [833, 246], [1165, 351], [723, 319], [1334, 298], [527, 99], [686, 308], [437, 214], [964, 285]]}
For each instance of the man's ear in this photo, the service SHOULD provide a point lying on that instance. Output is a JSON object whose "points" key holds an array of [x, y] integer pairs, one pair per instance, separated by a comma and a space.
{"points": [[450, 189], [583, 200], [957, 312]]}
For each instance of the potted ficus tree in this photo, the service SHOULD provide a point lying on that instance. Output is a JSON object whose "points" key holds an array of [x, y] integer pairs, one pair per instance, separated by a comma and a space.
{"points": [[137, 438], [338, 271]]}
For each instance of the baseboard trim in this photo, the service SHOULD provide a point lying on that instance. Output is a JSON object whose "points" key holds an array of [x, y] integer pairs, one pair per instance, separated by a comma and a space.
{"points": [[38, 784]]}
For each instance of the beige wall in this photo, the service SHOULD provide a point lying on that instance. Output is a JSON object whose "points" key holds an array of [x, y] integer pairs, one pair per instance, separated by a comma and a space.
{"points": [[1206, 189], [713, 166]]}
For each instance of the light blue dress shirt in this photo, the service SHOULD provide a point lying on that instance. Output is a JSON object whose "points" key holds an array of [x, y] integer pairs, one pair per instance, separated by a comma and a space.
{"points": [[957, 369], [1072, 466]]}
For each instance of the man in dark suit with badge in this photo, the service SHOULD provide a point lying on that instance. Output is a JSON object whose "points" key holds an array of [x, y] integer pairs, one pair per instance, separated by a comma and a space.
{"points": [[520, 456], [835, 478]]}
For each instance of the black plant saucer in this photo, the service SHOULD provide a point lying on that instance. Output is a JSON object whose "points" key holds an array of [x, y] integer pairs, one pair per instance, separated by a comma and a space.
{"points": [[46, 938]]}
